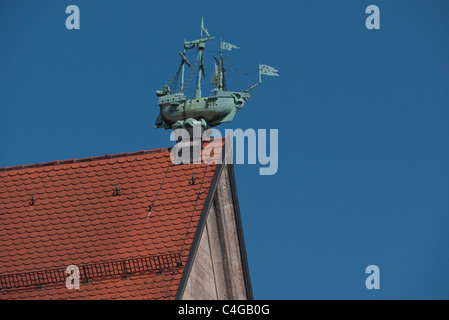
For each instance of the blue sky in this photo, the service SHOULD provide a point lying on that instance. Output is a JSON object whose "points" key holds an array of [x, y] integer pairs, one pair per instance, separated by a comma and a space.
{"points": [[363, 120]]}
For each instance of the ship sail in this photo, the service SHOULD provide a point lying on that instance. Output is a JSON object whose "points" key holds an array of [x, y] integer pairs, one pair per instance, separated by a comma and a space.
{"points": [[216, 77]]}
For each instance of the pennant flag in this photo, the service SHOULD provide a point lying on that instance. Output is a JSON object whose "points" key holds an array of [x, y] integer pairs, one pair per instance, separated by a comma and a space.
{"points": [[203, 28], [267, 70], [228, 46]]}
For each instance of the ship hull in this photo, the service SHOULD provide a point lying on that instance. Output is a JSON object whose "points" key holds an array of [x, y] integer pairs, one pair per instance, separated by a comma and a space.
{"points": [[214, 110]]}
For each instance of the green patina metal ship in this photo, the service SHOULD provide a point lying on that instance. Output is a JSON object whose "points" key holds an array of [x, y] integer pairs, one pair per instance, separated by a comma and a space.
{"points": [[176, 111]]}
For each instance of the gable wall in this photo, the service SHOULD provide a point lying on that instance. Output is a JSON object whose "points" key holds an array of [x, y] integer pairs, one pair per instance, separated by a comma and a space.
{"points": [[217, 271]]}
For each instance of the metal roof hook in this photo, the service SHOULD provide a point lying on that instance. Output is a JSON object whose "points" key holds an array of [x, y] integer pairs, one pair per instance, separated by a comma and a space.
{"points": [[32, 202], [193, 180], [117, 191]]}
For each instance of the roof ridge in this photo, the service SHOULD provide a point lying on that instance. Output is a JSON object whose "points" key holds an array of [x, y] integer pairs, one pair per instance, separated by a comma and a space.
{"points": [[80, 160]]}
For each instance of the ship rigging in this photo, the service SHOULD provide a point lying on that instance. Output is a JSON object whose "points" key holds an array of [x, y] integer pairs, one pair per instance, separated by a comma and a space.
{"points": [[176, 111]]}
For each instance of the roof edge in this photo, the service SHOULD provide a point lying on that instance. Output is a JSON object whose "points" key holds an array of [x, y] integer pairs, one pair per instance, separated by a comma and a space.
{"points": [[199, 230], [202, 222], [240, 236], [87, 159], [81, 160]]}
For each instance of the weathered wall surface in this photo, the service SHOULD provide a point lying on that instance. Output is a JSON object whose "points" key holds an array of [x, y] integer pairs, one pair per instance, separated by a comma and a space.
{"points": [[217, 271]]}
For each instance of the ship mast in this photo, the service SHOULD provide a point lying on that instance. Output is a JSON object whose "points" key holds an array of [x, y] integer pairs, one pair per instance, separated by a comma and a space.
{"points": [[220, 68], [182, 72], [201, 45]]}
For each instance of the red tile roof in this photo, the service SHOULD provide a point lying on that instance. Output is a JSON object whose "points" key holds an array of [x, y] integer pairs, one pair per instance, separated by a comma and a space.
{"points": [[77, 217]]}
